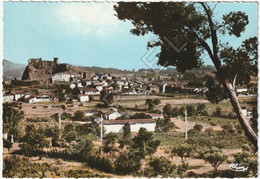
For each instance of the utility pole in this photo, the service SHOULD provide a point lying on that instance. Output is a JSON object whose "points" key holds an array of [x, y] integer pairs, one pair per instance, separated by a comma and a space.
{"points": [[186, 125], [162, 112], [59, 121], [101, 133]]}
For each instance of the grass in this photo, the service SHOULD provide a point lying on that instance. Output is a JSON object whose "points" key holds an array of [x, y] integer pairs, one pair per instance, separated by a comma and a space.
{"points": [[227, 140]]}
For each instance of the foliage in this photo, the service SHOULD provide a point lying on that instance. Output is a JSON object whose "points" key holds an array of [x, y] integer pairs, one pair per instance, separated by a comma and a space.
{"points": [[214, 156], [34, 141], [183, 151], [217, 112], [127, 163], [164, 124], [191, 110], [215, 92], [198, 127], [125, 139], [12, 115], [144, 142], [159, 166], [106, 97], [7, 144], [21, 167], [150, 104], [140, 116], [109, 142], [79, 116]]}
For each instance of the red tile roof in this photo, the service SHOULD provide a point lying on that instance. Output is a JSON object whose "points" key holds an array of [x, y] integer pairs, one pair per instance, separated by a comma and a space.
{"points": [[130, 121]]}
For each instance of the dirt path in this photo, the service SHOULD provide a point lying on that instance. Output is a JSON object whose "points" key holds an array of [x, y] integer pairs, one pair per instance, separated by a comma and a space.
{"points": [[181, 125]]}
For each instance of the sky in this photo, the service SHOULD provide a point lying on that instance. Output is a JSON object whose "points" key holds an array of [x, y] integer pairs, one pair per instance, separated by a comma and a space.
{"points": [[87, 34]]}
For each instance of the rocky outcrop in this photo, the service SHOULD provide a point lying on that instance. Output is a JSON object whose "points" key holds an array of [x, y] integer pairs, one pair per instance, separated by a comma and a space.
{"points": [[40, 70]]}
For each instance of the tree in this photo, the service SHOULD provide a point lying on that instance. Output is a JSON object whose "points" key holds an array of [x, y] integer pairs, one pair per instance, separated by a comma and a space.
{"points": [[201, 109], [191, 111], [183, 151], [109, 142], [12, 115], [214, 156], [79, 116], [198, 127], [7, 144], [150, 104], [144, 143], [157, 101], [167, 109], [34, 141], [125, 140], [164, 124], [159, 166], [106, 97], [177, 23]]}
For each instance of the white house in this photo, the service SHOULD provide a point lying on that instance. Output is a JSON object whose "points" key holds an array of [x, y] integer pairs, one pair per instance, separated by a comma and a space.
{"points": [[72, 85], [116, 126], [83, 97], [241, 90], [246, 113], [112, 115], [89, 91], [90, 113], [8, 97], [156, 116], [64, 77], [18, 95], [39, 98]]}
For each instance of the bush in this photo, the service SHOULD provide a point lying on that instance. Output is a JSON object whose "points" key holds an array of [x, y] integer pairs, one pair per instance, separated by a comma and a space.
{"points": [[34, 107], [198, 127], [217, 112]]}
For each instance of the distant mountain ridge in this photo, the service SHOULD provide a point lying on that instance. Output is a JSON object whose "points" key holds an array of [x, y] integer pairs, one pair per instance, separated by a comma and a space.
{"points": [[8, 65]]}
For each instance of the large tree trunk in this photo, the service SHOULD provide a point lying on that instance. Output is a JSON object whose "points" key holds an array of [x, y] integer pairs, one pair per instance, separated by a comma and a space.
{"points": [[249, 132], [227, 86]]}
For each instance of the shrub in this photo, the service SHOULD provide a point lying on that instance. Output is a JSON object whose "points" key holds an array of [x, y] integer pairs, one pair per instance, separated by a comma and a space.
{"points": [[34, 107], [198, 127]]}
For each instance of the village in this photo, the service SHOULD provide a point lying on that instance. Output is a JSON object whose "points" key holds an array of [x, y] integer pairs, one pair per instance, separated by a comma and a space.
{"points": [[130, 90], [108, 103]]}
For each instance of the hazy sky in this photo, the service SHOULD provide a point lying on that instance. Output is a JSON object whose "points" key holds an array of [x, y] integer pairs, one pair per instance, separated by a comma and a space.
{"points": [[86, 34]]}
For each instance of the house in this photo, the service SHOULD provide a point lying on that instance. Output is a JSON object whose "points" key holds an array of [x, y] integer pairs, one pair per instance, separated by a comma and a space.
{"points": [[156, 116], [64, 77], [89, 91], [246, 113], [18, 95], [83, 97], [241, 90], [40, 98], [112, 115], [116, 126], [72, 85], [8, 97], [90, 113]]}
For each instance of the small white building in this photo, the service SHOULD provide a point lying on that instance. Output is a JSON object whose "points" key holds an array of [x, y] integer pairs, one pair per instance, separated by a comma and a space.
{"points": [[83, 97], [156, 116], [89, 91], [8, 97], [116, 126], [64, 77], [18, 95], [246, 113], [39, 98], [241, 90], [90, 113], [112, 115], [72, 86]]}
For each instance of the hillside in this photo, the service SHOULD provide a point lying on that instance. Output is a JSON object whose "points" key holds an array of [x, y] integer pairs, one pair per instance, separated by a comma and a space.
{"points": [[8, 65]]}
